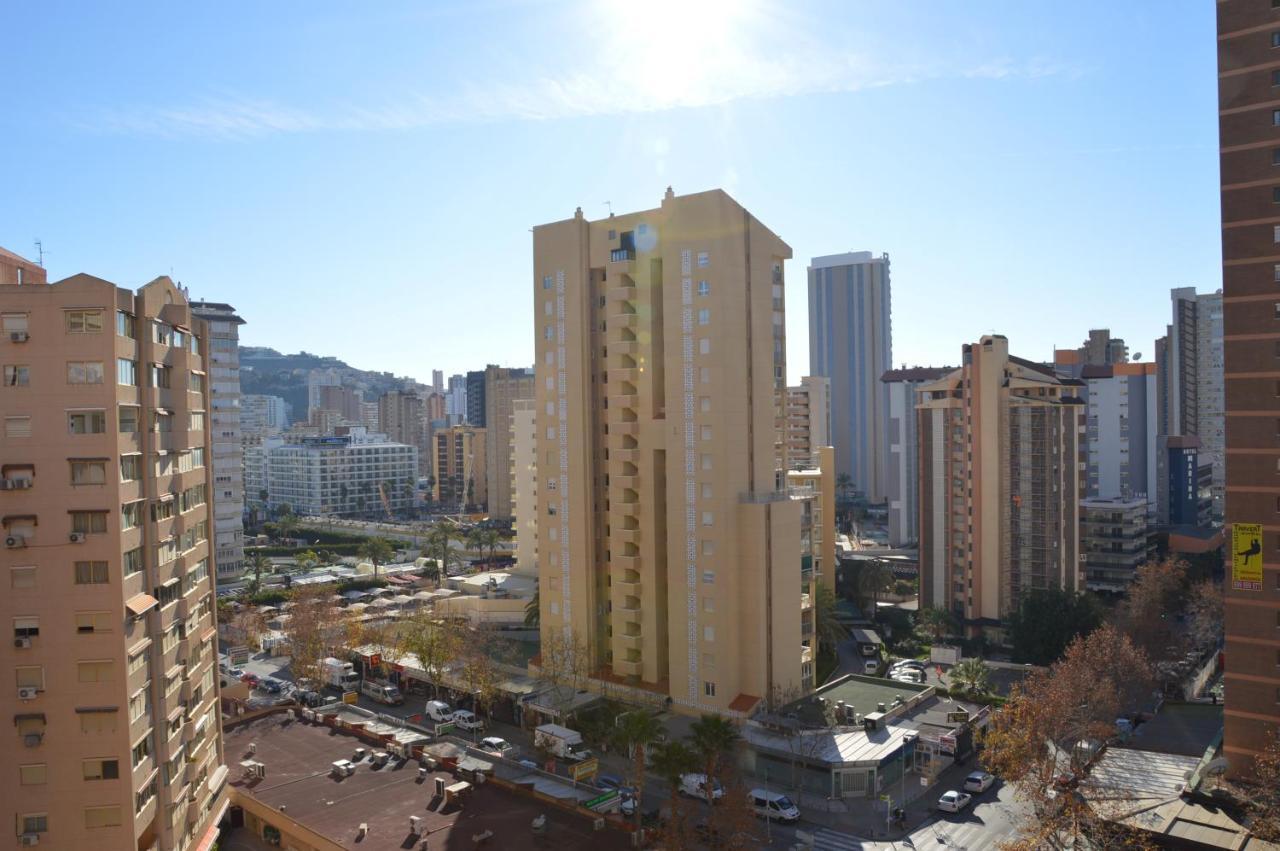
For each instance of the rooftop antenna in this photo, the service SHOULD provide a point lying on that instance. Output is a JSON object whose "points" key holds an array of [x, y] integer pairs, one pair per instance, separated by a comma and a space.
{"points": [[40, 254], [610, 206]]}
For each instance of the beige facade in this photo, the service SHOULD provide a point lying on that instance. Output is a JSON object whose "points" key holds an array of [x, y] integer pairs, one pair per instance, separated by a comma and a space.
{"points": [[524, 484], [1000, 484], [115, 737], [808, 424], [502, 388], [403, 418], [667, 542], [460, 467]]}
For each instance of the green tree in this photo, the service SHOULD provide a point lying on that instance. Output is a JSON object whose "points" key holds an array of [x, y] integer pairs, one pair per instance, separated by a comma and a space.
{"points": [[378, 551], [1048, 620], [971, 676], [287, 523], [874, 578], [829, 630], [713, 739], [533, 611], [258, 564], [938, 622], [439, 546], [635, 732], [844, 487], [307, 558]]}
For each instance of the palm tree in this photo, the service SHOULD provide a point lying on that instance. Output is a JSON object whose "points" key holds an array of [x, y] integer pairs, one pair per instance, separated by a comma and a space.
{"points": [[670, 761], [378, 551], [937, 621], [637, 731], [712, 738], [533, 611], [475, 539], [972, 676], [258, 564], [844, 482], [439, 541], [826, 626]]}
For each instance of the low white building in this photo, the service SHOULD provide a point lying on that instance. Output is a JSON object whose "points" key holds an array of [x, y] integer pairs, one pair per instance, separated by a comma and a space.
{"points": [[346, 474]]}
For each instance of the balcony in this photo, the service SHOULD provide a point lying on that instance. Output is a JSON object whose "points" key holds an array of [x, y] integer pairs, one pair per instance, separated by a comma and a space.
{"points": [[628, 667], [626, 536], [626, 562], [806, 602], [629, 428], [630, 482], [630, 605], [624, 319], [627, 456], [624, 373], [622, 255], [628, 348], [624, 400], [630, 640], [622, 293]]}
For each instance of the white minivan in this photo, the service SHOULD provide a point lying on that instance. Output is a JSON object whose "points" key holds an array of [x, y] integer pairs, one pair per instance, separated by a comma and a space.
{"points": [[695, 786], [773, 805], [439, 711], [467, 720]]}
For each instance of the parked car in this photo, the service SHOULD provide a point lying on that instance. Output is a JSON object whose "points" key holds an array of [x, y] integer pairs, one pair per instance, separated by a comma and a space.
{"points": [[236, 673], [439, 711], [978, 782], [907, 675], [465, 719], [953, 801], [251, 679], [915, 664], [695, 786], [609, 781], [497, 745], [310, 698], [773, 805], [270, 685], [871, 666]]}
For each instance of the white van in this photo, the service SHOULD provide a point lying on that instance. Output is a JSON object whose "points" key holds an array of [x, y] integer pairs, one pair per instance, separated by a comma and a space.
{"points": [[695, 786], [467, 720], [773, 805], [439, 711]]}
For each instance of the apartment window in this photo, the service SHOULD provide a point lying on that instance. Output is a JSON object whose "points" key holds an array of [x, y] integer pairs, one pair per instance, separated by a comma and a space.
{"points": [[19, 375], [29, 676], [196, 384], [147, 794], [546, 282], [708, 604], [17, 426], [34, 822], [1275, 117], [704, 404], [22, 578], [130, 468], [89, 522], [708, 547], [549, 332], [131, 515], [704, 345], [32, 775], [705, 462], [126, 325], [159, 375], [704, 288], [708, 633], [132, 561], [1275, 39], [87, 422], [101, 769], [84, 321], [84, 372], [708, 519], [138, 703], [706, 491], [91, 623], [97, 720], [13, 323], [708, 577], [91, 573], [127, 372], [706, 432], [709, 689], [102, 817], [161, 510], [141, 750], [88, 472], [197, 421], [26, 627], [94, 671], [704, 374], [128, 416], [704, 259], [704, 316]]}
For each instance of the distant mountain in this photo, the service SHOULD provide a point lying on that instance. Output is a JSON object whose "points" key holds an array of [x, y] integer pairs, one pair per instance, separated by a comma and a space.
{"points": [[268, 372]]}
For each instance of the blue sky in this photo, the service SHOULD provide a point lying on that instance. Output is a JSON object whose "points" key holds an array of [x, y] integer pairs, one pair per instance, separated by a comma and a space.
{"points": [[360, 179]]}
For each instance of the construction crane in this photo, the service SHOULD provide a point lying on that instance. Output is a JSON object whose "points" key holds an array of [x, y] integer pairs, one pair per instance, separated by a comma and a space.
{"points": [[386, 503]]}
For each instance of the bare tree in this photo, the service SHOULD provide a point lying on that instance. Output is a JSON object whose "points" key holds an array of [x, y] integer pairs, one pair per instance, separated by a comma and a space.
{"points": [[435, 641], [564, 659]]}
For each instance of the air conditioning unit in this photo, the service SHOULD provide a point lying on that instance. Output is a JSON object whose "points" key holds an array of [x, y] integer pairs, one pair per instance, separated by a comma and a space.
{"points": [[22, 643], [77, 537], [15, 541], [18, 337], [27, 693], [29, 839]]}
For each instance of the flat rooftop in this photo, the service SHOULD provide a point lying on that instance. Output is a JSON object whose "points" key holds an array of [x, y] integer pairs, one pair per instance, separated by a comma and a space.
{"points": [[298, 758], [1187, 729], [864, 694]]}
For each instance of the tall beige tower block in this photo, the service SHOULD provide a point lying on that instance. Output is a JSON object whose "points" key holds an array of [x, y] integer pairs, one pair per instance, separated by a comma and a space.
{"points": [[112, 737], [667, 542]]}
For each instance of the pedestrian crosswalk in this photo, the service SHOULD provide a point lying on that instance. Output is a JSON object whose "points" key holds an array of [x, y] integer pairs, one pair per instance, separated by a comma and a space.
{"points": [[941, 834], [825, 839]]}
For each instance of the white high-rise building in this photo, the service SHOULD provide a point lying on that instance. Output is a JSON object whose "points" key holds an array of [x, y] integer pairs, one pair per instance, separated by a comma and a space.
{"points": [[262, 416], [354, 473], [228, 462]]}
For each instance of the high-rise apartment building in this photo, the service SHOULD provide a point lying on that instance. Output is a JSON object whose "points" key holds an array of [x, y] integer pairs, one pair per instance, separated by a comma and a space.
{"points": [[902, 485], [475, 398], [224, 423], [524, 483], [502, 387], [403, 415], [1100, 349], [461, 469], [262, 416], [668, 545], [316, 380], [346, 402], [115, 740], [1249, 135], [1190, 362], [850, 343], [437, 380], [455, 404], [1115, 540], [808, 421], [1000, 484], [352, 473]]}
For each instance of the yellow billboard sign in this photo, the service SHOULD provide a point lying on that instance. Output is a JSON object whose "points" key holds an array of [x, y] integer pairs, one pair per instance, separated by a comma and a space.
{"points": [[585, 770], [1246, 556]]}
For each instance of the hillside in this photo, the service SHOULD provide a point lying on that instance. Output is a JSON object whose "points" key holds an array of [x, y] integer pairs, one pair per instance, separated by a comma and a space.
{"points": [[266, 371]]}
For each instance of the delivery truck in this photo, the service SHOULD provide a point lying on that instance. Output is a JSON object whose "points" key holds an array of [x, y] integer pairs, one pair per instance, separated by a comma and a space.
{"points": [[382, 692], [340, 675], [561, 741]]}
